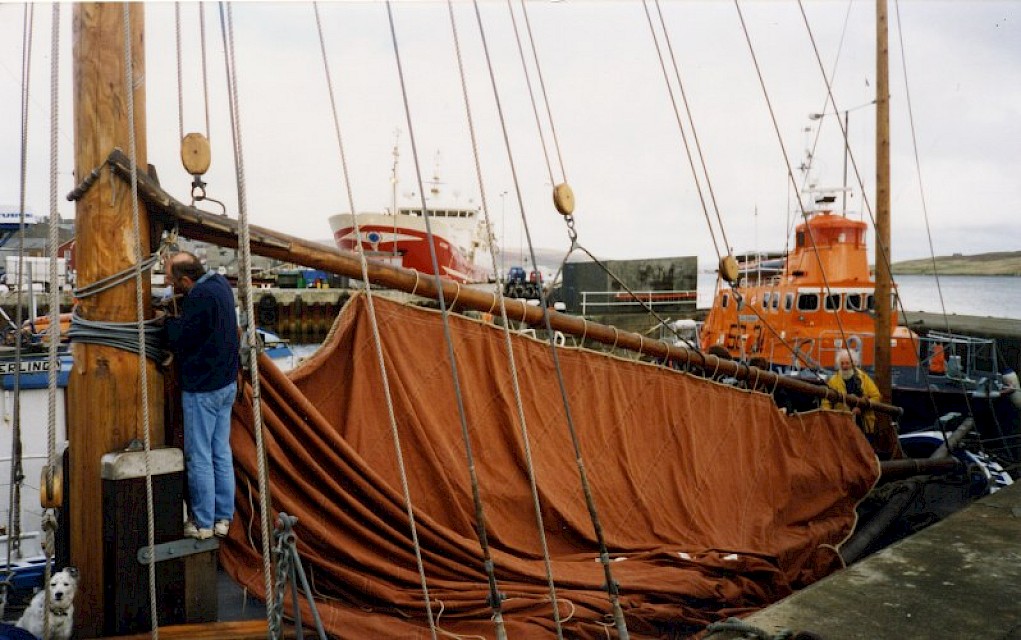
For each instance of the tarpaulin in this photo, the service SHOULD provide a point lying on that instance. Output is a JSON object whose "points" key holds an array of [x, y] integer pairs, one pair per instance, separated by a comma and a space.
{"points": [[711, 501]]}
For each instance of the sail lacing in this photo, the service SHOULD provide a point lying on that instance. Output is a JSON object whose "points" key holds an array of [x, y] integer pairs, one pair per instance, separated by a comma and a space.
{"points": [[495, 597], [511, 360], [376, 340]]}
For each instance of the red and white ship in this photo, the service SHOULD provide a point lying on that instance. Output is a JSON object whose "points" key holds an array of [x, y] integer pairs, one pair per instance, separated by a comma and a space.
{"points": [[398, 236]]}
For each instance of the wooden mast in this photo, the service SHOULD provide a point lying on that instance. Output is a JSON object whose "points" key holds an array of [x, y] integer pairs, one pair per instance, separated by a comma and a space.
{"points": [[104, 394], [886, 440]]}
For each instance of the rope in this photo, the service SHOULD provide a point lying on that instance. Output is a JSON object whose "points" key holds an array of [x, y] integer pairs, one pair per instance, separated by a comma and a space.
{"points": [[288, 568], [244, 245], [120, 335], [747, 630], [680, 127], [495, 598], [140, 325], [611, 585], [115, 279], [377, 340], [14, 508], [515, 384], [49, 521]]}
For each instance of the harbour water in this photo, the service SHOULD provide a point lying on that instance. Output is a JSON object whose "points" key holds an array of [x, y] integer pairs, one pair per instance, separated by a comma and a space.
{"points": [[994, 296]]}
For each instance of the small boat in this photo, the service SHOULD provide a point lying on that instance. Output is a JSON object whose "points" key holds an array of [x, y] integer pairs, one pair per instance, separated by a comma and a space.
{"points": [[399, 237]]}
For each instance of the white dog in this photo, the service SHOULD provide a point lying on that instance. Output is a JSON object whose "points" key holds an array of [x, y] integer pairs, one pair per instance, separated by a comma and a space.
{"points": [[63, 585]]}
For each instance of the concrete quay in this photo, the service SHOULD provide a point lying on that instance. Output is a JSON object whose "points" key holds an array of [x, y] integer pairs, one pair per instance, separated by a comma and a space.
{"points": [[959, 579]]}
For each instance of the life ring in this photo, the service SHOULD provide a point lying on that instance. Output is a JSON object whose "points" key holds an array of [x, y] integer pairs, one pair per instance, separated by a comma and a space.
{"points": [[854, 343]]}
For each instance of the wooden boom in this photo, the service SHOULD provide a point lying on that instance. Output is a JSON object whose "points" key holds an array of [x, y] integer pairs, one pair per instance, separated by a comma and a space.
{"points": [[223, 231]]}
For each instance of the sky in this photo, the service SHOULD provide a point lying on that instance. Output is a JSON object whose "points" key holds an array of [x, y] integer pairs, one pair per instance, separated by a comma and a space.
{"points": [[615, 124]]}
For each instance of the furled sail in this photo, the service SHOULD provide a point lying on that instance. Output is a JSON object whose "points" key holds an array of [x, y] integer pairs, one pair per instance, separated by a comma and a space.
{"points": [[713, 503]]}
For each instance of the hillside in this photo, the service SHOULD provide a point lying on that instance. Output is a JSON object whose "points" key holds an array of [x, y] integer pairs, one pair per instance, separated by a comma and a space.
{"points": [[1000, 263]]}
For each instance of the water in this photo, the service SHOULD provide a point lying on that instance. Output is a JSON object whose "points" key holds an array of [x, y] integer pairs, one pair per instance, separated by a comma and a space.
{"points": [[996, 296]]}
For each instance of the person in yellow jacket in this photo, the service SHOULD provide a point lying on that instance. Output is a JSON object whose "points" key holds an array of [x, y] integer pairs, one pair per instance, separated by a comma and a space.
{"points": [[851, 380]]}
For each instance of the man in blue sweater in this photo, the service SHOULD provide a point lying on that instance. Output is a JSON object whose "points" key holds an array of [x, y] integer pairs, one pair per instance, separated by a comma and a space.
{"points": [[204, 339]]}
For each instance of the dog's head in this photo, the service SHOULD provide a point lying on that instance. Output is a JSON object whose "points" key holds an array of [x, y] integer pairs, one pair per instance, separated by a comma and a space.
{"points": [[63, 585]]}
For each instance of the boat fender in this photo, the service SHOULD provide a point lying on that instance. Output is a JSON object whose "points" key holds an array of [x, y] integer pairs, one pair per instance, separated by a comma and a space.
{"points": [[1010, 380], [51, 489]]}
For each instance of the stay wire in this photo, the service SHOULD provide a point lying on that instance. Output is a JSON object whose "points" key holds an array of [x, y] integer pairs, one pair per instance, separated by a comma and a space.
{"points": [[691, 121], [17, 474], [377, 340], [512, 363], [883, 253], [244, 245], [531, 93], [143, 373], [495, 597], [788, 166], [611, 585], [542, 87], [53, 242], [925, 209]]}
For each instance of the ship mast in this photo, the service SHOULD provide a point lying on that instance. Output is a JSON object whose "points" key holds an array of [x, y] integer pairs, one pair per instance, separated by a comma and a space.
{"points": [[104, 392], [886, 438]]}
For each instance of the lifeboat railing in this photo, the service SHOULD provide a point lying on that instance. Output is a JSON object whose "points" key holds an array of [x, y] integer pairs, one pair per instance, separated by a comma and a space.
{"points": [[605, 301]]}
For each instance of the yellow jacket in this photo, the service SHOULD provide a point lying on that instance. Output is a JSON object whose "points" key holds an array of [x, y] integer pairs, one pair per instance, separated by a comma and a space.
{"points": [[869, 390]]}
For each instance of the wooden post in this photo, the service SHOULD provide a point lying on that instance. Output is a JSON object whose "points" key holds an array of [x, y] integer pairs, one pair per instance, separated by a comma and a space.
{"points": [[104, 394], [886, 442]]}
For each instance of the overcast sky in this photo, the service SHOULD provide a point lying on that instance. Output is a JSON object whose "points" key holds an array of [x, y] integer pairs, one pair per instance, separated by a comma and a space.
{"points": [[621, 147]]}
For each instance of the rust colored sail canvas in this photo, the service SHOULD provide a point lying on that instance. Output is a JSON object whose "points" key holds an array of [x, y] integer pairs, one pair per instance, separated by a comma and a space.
{"points": [[711, 501]]}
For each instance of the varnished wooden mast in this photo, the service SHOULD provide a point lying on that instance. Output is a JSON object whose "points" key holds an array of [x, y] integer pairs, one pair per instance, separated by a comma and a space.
{"points": [[887, 440], [104, 394]]}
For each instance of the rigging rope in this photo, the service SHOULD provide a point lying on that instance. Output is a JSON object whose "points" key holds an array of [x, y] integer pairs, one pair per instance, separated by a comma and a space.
{"points": [[49, 521], [245, 247], [16, 477], [495, 597], [512, 363], [611, 585], [787, 164], [691, 123], [143, 373], [376, 339]]}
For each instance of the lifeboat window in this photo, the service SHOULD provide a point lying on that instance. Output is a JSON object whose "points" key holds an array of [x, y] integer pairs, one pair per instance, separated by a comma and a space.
{"points": [[788, 302], [808, 301], [833, 302], [870, 302], [765, 299], [853, 302], [776, 300], [725, 300], [800, 239], [740, 302]]}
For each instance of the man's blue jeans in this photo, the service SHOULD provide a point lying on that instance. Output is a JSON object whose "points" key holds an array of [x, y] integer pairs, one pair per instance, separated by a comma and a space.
{"points": [[207, 454]]}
